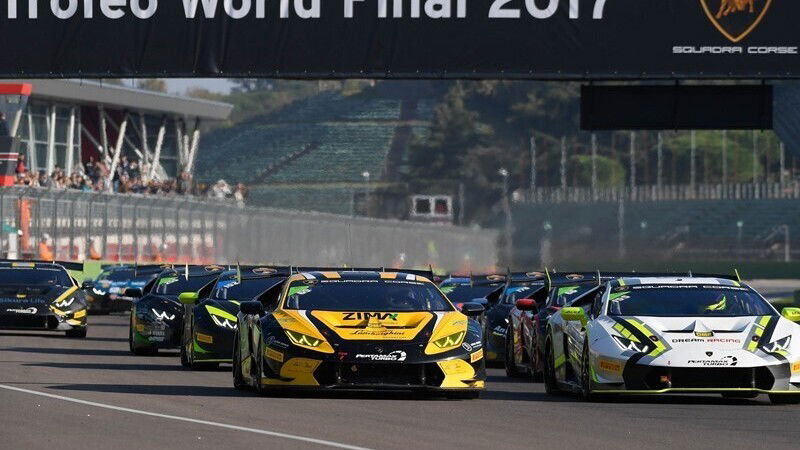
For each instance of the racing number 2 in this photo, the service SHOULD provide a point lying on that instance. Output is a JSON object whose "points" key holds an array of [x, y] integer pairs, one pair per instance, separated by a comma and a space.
{"points": [[500, 10]]}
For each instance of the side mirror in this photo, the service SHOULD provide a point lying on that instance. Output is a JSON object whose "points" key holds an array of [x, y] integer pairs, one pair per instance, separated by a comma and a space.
{"points": [[88, 284], [791, 313], [133, 293], [526, 304], [574, 314], [188, 298], [252, 308], [472, 309]]}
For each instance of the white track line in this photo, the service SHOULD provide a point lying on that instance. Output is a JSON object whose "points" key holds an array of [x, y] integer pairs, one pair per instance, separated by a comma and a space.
{"points": [[187, 419]]}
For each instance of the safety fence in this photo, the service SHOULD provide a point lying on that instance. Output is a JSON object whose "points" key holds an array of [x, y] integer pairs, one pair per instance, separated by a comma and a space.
{"points": [[655, 193], [51, 224]]}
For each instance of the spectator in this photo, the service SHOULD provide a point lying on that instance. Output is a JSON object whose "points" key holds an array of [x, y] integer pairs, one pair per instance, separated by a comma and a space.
{"points": [[21, 165]]}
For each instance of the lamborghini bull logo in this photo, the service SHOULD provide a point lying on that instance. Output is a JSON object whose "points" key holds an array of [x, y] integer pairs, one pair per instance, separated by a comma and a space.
{"points": [[736, 19]]}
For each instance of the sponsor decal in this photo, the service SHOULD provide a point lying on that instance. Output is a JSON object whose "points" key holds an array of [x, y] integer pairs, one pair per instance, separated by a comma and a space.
{"points": [[476, 356], [499, 330], [30, 310], [496, 278], [726, 361], [264, 270], [704, 333], [214, 268], [378, 332], [273, 354], [162, 315], [575, 276], [368, 315], [204, 338], [395, 356], [467, 347], [796, 367], [610, 366], [271, 340], [706, 341], [472, 346], [736, 19], [139, 327]]}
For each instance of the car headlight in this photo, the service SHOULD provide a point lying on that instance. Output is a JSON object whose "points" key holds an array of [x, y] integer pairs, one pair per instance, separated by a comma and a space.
{"points": [[627, 344], [781, 345], [223, 322], [453, 340], [98, 291], [162, 315], [303, 340], [64, 303]]}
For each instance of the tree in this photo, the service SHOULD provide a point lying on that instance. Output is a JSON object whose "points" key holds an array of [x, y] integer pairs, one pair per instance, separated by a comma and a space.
{"points": [[152, 84]]}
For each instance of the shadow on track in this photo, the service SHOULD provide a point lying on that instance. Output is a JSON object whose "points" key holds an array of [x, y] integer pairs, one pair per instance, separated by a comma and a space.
{"points": [[168, 390], [108, 366], [68, 351]]}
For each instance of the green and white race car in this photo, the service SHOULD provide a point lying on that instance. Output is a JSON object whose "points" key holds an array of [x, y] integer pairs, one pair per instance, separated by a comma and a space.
{"points": [[675, 335]]}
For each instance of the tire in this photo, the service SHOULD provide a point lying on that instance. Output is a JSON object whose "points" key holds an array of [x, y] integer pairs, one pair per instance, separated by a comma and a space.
{"points": [[784, 399], [512, 370], [585, 392], [238, 381], [190, 356], [184, 357], [550, 383], [77, 333], [258, 367], [537, 373]]}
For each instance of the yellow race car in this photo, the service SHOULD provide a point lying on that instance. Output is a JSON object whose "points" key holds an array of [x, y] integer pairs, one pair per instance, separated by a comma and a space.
{"points": [[359, 330]]}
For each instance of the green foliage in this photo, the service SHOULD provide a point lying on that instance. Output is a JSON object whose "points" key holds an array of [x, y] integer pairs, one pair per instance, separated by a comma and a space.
{"points": [[610, 172]]}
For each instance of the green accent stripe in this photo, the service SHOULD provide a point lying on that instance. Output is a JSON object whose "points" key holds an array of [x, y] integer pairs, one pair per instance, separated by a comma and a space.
{"points": [[221, 313], [560, 361]]}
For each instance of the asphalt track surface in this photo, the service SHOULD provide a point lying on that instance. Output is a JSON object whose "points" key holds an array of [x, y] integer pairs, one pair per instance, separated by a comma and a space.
{"points": [[92, 394]]}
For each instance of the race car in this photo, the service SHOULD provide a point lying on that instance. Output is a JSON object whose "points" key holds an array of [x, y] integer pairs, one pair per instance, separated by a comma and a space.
{"points": [[472, 289], [529, 317], [157, 315], [106, 293], [42, 296], [210, 322], [495, 320], [679, 334], [359, 330]]}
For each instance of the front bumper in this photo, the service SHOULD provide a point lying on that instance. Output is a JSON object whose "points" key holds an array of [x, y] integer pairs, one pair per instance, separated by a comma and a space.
{"points": [[44, 322], [647, 379], [458, 374], [157, 334], [213, 345]]}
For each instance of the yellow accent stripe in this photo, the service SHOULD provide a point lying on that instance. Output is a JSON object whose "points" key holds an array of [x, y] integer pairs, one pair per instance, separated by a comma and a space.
{"points": [[388, 275], [660, 348], [621, 282], [560, 361], [221, 313]]}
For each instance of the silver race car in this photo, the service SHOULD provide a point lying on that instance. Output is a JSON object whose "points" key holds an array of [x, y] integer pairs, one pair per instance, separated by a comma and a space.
{"points": [[675, 334]]}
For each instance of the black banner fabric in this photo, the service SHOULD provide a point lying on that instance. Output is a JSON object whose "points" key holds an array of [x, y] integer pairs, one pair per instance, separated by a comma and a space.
{"points": [[542, 39]]}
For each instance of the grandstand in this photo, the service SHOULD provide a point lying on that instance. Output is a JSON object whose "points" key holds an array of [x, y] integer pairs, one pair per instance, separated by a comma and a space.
{"points": [[314, 153]]}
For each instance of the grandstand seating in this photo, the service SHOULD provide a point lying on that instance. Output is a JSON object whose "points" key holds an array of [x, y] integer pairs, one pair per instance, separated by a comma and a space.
{"points": [[339, 137]]}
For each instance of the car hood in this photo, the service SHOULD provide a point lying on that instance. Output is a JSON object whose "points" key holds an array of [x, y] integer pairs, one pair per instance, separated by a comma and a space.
{"points": [[710, 341]]}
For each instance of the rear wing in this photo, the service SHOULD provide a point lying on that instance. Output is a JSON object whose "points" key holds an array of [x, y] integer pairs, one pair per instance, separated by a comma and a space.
{"points": [[427, 273], [68, 265]]}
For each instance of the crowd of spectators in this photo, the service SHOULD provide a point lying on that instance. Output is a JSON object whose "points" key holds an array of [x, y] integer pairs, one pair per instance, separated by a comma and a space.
{"points": [[130, 177]]}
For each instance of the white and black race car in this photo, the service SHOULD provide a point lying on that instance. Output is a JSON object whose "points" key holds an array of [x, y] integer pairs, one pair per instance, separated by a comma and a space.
{"points": [[675, 334]]}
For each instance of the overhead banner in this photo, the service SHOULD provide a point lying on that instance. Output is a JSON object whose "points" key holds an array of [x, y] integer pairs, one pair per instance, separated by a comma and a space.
{"points": [[541, 39]]}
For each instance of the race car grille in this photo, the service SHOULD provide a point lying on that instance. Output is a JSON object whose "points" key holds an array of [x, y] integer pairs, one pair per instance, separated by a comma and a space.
{"points": [[20, 321], [698, 378], [356, 374]]}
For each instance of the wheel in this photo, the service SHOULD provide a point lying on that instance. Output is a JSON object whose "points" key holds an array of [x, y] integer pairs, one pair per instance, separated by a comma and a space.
{"points": [[550, 384], [190, 356], [511, 364], [77, 333], [238, 381], [258, 368], [537, 374], [135, 349], [585, 392], [784, 399], [184, 357]]}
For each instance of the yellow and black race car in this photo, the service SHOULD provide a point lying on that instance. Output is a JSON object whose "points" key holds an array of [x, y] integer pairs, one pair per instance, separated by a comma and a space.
{"points": [[359, 330], [42, 296]]}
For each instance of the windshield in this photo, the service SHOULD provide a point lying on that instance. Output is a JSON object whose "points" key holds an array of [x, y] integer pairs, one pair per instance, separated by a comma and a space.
{"points": [[521, 290], [686, 300], [467, 293], [365, 295], [34, 277], [116, 275], [231, 289], [564, 295], [175, 285]]}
